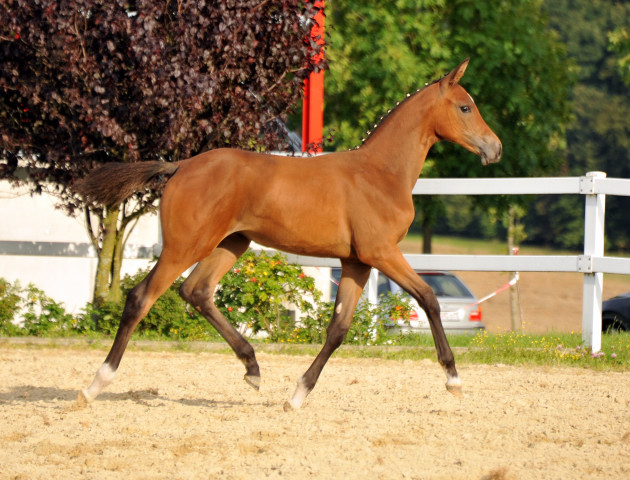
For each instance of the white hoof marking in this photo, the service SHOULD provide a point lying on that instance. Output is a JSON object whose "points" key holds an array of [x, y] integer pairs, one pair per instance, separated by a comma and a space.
{"points": [[453, 381], [300, 394], [104, 376]]}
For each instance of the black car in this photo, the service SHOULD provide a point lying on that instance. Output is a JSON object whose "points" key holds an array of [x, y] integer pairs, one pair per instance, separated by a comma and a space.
{"points": [[616, 313]]}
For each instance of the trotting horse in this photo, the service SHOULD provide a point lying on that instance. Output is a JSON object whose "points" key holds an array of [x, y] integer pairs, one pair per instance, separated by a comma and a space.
{"points": [[355, 206]]}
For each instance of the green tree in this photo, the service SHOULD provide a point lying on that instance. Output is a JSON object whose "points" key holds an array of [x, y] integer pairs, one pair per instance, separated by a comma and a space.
{"points": [[378, 53], [86, 82], [620, 44], [598, 138], [519, 76]]}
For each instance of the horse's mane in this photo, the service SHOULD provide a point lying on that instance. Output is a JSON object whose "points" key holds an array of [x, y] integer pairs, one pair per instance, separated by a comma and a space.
{"points": [[391, 111]]}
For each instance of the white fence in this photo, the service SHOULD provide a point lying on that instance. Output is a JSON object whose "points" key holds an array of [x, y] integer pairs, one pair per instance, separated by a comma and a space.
{"points": [[593, 264], [35, 238]]}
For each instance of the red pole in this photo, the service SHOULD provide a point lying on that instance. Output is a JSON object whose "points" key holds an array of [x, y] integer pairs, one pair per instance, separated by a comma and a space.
{"points": [[313, 101]]}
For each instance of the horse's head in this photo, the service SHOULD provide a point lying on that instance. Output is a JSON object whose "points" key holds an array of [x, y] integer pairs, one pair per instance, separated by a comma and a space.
{"points": [[459, 120]]}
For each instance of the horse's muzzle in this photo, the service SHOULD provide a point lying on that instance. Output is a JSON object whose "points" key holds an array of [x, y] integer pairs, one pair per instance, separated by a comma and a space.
{"points": [[491, 152]]}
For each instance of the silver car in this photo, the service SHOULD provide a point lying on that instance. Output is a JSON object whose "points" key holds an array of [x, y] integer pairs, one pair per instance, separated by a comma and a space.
{"points": [[459, 309], [458, 306]]}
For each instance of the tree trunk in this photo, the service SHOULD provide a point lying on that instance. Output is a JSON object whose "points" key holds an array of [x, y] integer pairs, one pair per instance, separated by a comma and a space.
{"points": [[110, 245], [115, 289], [102, 283], [427, 233]]}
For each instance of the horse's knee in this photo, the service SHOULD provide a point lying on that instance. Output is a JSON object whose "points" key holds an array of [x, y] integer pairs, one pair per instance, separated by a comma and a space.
{"points": [[432, 306], [428, 302]]}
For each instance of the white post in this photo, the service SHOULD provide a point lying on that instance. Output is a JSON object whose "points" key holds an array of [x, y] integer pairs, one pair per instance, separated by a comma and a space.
{"points": [[372, 287], [372, 292], [595, 209]]}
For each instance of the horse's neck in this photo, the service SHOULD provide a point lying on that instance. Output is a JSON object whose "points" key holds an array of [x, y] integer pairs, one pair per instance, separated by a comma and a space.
{"points": [[401, 142]]}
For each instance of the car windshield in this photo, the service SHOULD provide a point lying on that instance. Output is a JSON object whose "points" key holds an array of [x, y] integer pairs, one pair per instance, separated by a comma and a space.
{"points": [[442, 284], [445, 285]]}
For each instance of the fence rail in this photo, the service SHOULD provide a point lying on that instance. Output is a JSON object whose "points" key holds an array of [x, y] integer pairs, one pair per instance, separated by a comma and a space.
{"points": [[593, 264]]}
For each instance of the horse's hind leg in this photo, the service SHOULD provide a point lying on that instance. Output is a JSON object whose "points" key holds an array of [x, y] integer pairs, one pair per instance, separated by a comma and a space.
{"points": [[198, 290], [353, 279], [138, 303]]}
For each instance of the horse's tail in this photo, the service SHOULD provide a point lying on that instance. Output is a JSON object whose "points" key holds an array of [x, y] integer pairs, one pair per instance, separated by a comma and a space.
{"points": [[113, 183]]}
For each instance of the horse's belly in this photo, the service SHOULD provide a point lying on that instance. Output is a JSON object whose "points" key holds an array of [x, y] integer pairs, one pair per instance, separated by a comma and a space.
{"points": [[302, 244]]}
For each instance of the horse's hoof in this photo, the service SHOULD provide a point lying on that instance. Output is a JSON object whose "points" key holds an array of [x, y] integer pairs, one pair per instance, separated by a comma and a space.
{"points": [[82, 400], [253, 381], [455, 390], [288, 407]]}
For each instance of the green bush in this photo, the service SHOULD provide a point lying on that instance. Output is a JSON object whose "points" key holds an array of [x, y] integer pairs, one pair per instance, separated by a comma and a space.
{"points": [[9, 306], [169, 317], [255, 295], [367, 327], [45, 317], [40, 314], [259, 296]]}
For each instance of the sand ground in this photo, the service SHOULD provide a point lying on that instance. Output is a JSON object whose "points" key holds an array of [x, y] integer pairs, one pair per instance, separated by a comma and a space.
{"points": [[176, 415]]}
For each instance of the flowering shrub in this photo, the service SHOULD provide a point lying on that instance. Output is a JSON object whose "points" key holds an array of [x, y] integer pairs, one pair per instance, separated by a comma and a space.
{"points": [[257, 293], [367, 327], [258, 296]]}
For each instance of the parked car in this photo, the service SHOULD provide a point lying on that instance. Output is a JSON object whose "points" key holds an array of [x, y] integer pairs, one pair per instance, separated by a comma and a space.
{"points": [[458, 308], [616, 313]]}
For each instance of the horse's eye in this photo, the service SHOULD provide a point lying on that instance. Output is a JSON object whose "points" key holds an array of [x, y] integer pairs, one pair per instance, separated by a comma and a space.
{"points": [[465, 109]]}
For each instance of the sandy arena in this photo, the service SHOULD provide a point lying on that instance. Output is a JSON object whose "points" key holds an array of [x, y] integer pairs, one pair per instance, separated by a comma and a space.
{"points": [[175, 415]]}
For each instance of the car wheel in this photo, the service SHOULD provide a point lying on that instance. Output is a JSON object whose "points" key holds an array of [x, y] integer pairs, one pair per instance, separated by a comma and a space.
{"points": [[613, 322]]}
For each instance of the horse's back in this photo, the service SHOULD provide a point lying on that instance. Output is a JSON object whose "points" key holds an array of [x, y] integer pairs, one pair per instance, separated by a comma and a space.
{"points": [[293, 204]]}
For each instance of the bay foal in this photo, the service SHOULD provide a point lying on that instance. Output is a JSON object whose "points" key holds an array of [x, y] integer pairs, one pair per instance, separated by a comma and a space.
{"points": [[355, 206]]}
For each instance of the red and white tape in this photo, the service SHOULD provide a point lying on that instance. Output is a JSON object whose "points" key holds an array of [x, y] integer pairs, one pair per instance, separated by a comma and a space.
{"points": [[509, 284]]}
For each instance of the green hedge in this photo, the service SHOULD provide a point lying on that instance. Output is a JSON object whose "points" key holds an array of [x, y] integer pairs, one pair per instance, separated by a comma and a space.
{"points": [[253, 296]]}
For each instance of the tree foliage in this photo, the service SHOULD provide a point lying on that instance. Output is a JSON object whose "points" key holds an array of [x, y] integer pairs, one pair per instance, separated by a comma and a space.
{"points": [[521, 81], [598, 138], [86, 82], [620, 44], [519, 75], [597, 134], [378, 53]]}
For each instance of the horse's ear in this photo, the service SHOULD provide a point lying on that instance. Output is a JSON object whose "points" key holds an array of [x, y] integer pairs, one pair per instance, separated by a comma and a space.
{"points": [[454, 77]]}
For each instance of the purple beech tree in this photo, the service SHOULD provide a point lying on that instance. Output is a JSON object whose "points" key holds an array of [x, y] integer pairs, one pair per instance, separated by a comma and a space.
{"points": [[84, 82]]}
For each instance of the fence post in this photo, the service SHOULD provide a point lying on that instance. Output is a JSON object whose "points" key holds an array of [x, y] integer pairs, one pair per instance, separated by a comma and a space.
{"points": [[372, 287], [595, 210]]}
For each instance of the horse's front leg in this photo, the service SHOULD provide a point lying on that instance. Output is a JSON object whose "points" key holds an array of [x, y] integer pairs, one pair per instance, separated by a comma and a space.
{"points": [[398, 269], [353, 279]]}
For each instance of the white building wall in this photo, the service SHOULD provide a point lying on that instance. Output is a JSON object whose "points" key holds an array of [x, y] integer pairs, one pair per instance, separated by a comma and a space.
{"points": [[40, 244]]}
